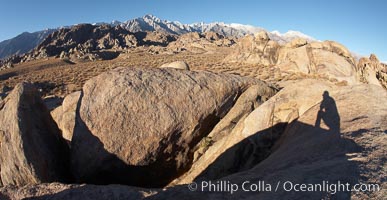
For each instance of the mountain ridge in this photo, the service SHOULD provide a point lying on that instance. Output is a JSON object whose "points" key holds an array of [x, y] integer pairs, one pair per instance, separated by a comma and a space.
{"points": [[20, 45], [23, 42]]}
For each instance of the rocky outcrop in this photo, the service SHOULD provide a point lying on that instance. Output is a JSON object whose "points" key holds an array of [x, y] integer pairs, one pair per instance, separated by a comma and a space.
{"points": [[87, 36], [255, 49], [6, 65], [31, 148], [327, 59], [82, 40], [154, 38], [199, 42], [371, 71], [176, 65], [298, 42], [9, 62], [64, 115], [139, 127], [90, 42]]}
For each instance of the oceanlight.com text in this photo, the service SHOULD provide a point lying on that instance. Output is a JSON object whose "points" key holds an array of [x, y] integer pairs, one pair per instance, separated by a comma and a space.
{"points": [[287, 186]]}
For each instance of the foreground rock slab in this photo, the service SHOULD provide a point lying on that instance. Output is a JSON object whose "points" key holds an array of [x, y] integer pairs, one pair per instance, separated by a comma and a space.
{"points": [[322, 133], [31, 147]]}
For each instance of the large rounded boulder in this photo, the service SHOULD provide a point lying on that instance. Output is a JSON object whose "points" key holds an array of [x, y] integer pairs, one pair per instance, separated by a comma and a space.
{"points": [[139, 126], [176, 65]]}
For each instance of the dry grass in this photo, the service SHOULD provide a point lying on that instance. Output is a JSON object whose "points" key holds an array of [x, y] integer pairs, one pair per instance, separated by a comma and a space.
{"points": [[57, 77]]}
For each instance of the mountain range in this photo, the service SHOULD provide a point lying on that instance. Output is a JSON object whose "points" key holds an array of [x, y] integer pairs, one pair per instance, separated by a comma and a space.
{"points": [[25, 42]]}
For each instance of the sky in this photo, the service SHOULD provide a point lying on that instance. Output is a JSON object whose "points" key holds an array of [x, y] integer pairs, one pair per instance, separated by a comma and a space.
{"points": [[360, 25]]}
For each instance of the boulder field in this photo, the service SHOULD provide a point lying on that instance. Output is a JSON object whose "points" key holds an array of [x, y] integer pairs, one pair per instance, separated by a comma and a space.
{"points": [[149, 133]]}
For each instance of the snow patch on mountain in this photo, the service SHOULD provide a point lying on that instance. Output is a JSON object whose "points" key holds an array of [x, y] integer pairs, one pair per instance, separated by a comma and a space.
{"points": [[153, 23], [283, 38], [356, 56]]}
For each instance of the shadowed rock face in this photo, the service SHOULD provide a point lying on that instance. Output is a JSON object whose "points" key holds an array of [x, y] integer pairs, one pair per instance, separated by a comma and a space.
{"points": [[32, 149], [139, 126]]}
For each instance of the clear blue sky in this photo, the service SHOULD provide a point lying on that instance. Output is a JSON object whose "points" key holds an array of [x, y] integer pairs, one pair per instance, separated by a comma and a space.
{"points": [[358, 24]]}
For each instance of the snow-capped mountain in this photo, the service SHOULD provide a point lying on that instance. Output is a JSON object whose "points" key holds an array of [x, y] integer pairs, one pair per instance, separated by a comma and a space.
{"points": [[152, 23], [113, 23], [27, 41], [288, 36], [232, 29]]}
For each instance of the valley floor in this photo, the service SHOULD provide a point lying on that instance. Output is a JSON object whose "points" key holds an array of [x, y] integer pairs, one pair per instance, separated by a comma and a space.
{"points": [[60, 77]]}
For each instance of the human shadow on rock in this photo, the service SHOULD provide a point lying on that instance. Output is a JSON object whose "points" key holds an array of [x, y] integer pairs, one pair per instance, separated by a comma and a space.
{"points": [[328, 113], [296, 152]]}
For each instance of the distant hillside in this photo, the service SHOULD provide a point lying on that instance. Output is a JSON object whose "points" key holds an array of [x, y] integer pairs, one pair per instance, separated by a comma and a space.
{"points": [[22, 43]]}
